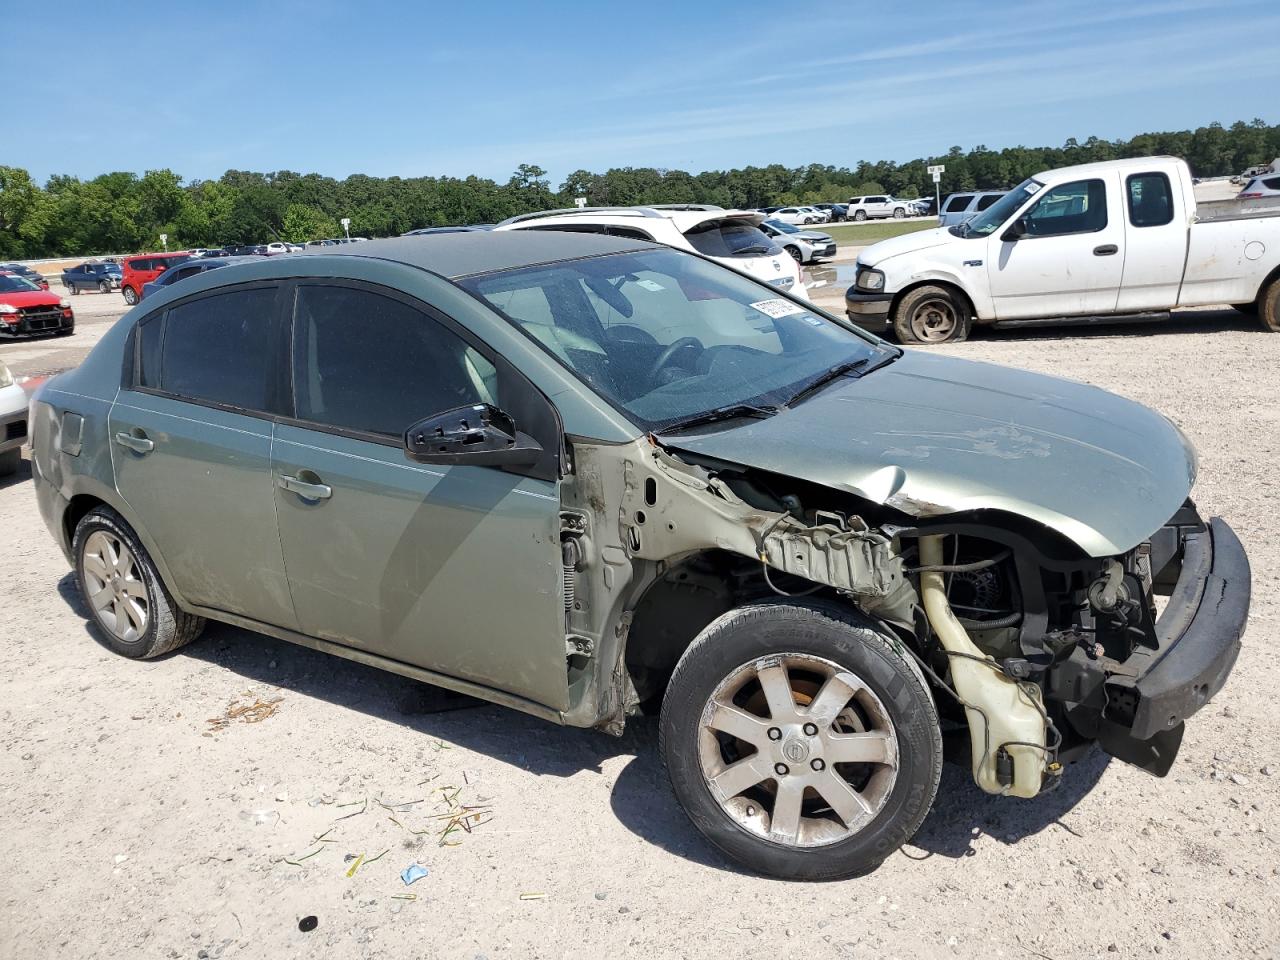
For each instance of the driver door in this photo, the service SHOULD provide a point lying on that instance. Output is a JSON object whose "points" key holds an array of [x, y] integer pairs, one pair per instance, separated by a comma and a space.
{"points": [[454, 569], [1071, 259]]}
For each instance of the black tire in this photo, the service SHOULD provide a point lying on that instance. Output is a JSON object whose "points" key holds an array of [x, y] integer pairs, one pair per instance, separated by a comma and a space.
{"points": [[835, 634], [899, 213], [9, 462], [931, 314], [130, 296], [72, 289], [104, 286], [1269, 307], [167, 626], [860, 215], [796, 255], [1248, 309]]}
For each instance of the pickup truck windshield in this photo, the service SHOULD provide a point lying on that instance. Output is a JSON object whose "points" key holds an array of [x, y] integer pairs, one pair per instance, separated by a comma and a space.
{"points": [[991, 219], [666, 337]]}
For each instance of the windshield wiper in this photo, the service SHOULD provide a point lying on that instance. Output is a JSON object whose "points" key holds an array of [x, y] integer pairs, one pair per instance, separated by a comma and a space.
{"points": [[754, 248], [832, 373], [732, 411]]}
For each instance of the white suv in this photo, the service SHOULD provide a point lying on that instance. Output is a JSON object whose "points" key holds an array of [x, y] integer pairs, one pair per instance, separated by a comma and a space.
{"points": [[730, 237], [879, 207]]}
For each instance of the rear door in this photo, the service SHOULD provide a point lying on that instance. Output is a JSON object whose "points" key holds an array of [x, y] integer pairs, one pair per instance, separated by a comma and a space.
{"points": [[1155, 243], [1071, 259], [191, 446], [454, 569]]}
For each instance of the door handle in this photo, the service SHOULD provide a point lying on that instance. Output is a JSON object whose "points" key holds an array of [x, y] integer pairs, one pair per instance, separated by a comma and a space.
{"points": [[308, 491], [135, 443], [1106, 250]]}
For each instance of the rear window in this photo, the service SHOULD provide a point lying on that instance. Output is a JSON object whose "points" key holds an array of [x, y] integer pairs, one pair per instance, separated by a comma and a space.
{"points": [[730, 239], [988, 200], [958, 202], [140, 264]]}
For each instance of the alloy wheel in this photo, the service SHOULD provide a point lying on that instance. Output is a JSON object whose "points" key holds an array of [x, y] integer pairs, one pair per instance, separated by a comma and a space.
{"points": [[797, 750], [114, 586]]}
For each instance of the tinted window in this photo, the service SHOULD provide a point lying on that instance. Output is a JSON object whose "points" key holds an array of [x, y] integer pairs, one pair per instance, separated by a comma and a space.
{"points": [[988, 200], [139, 265], [218, 348], [372, 364], [730, 239], [1150, 199], [958, 202], [630, 233], [1272, 183], [1079, 207], [149, 336]]}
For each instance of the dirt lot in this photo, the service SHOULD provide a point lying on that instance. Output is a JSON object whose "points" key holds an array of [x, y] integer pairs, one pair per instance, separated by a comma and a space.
{"points": [[149, 815]]}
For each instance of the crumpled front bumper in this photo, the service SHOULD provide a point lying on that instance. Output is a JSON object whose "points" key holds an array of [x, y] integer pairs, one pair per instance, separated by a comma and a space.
{"points": [[1199, 635]]}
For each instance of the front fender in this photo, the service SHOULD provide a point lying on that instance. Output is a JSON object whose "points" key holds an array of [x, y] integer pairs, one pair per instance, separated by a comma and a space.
{"points": [[970, 278]]}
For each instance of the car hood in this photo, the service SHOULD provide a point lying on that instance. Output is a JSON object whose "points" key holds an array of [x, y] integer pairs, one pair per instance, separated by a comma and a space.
{"points": [[907, 243], [932, 436], [812, 235], [31, 298]]}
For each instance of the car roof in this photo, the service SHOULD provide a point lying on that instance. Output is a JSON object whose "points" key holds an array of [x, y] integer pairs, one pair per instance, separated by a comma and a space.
{"points": [[454, 255], [1101, 166]]}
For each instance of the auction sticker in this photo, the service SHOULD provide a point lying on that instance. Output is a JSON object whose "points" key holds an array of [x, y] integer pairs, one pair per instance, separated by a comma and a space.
{"points": [[778, 307]]}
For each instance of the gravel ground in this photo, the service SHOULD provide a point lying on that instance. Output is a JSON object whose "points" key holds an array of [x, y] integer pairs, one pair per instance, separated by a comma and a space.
{"points": [[137, 827]]}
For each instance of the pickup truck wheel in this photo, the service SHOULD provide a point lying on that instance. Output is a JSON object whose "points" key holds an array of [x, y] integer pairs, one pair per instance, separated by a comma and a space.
{"points": [[131, 606], [72, 289], [931, 315], [899, 213], [130, 296], [104, 286], [799, 741], [860, 215], [1269, 307]]}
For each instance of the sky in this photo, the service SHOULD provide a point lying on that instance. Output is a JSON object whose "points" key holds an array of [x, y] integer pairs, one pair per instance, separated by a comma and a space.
{"points": [[430, 89]]}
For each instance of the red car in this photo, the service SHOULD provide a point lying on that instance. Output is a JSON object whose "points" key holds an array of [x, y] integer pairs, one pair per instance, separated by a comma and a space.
{"points": [[142, 269], [26, 310]]}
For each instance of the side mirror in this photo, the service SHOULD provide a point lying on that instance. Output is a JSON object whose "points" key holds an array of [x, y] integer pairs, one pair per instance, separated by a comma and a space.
{"points": [[1017, 230], [479, 435]]}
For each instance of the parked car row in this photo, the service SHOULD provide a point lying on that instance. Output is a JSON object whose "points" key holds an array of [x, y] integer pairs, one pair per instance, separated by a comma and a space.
{"points": [[25, 272], [585, 476]]}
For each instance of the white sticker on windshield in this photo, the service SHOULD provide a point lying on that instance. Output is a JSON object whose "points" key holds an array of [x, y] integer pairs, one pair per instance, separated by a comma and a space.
{"points": [[650, 285], [778, 307]]}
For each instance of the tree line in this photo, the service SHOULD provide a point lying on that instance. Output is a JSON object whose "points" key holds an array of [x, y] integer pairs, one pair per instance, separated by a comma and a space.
{"points": [[124, 212]]}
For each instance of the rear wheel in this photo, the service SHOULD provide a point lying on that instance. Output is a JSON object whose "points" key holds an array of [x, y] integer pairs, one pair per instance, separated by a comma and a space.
{"points": [[104, 286], [72, 289], [135, 614], [931, 315], [1269, 307], [899, 213], [860, 215], [799, 742], [130, 296]]}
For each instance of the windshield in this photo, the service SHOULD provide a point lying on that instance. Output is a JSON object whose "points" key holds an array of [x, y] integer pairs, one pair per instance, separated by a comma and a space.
{"points": [[664, 336], [991, 219], [782, 227], [11, 283], [731, 238]]}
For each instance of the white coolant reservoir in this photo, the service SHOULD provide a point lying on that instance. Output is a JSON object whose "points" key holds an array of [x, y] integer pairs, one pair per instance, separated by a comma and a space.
{"points": [[1015, 718]]}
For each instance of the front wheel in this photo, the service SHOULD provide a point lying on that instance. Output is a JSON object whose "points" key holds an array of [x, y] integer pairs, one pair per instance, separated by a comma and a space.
{"points": [[799, 742], [796, 255], [130, 296], [931, 315], [132, 607]]}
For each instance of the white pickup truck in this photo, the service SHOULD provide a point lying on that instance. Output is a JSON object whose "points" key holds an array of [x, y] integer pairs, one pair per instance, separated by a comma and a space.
{"points": [[1102, 241]]}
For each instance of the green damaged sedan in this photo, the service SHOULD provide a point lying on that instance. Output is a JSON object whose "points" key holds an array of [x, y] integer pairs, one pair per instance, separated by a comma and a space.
{"points": [[587, 477]]}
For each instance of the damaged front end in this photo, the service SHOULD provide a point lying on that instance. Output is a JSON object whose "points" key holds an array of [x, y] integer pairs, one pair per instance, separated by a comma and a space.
{"points": [[1035, 649]]}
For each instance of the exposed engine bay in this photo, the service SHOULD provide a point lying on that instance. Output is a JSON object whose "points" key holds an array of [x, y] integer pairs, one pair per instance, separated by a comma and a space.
{"points": [[1033, 649]]}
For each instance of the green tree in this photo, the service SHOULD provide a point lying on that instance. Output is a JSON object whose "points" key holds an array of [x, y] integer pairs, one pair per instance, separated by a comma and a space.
{"points": [[302, 223]]}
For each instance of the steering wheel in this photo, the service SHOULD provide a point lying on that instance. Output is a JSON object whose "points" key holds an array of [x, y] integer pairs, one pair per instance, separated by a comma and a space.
{"points": [[684, 343]]}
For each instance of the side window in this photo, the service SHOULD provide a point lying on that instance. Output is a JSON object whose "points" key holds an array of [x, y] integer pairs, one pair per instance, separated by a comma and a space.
{"points": [[1150, 199], [1272, 183], [958, 202], [1079, 207], [372, 364], [988, 200], [147, 369], [218, 348]]}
